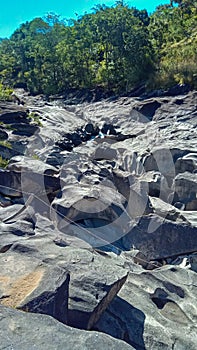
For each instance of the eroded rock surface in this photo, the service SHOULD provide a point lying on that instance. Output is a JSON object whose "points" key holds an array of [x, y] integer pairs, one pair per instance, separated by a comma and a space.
{"points": [[93, 192], [19, 330]]}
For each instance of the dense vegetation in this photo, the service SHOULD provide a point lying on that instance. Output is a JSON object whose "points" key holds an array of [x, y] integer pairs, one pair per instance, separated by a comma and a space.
{"points": [[116, 48]]}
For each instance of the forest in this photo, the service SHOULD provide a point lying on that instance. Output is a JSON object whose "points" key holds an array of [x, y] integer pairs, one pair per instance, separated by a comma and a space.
{"points": [[115, 48]]}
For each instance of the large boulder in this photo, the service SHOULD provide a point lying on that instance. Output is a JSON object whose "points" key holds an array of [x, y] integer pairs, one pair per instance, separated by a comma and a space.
{"points": [[185, 185], [30, 285], [25, 331], [154, 310], [159, 238]]}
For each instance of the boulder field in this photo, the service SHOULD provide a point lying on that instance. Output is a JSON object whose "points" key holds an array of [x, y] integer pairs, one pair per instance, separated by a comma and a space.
{"points": [[98, 223]]}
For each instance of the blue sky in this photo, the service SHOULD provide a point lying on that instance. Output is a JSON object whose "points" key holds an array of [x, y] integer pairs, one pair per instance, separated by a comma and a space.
{"points": [[15, 12]]}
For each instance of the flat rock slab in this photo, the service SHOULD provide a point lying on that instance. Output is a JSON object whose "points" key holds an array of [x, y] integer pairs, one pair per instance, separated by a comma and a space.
{"points": [[25, 331]]}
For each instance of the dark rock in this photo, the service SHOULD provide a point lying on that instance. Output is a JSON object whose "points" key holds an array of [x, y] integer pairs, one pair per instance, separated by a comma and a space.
{"points": [[150, 302], [53, 335], [10, 184], [11, 113], [108, 129], [185, 185], [8, 152], [24, 129], [3, 135], [159, 238], [65, 145], [179, 89], [89, 128], [148, 108]]}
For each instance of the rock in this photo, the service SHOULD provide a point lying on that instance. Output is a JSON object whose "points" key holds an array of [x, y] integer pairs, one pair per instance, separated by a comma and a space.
{"points": [[108, 129], [137, 257], [31, 286], [150, 302], [18, 228], [161, 160], [105, 152], [166, 210], [7, 151], [5, 201], [53, 335], [159, 238], [157, 185], [10, 183], [185, 185], [75, 138], [3, 135], [187, 163], [92, 290], [113, 190], [24, 163], [17, 211], [65, 145], [38, 179], [11, 113], [191, 216], [91, 129], [148, 108]]}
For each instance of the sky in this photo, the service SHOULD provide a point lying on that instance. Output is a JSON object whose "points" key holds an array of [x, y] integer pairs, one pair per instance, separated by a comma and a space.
{"points": [[15, 12]]}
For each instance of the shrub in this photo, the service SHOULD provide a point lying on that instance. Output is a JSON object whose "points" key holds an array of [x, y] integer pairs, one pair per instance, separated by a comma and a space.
{"points": [[5, 93]]}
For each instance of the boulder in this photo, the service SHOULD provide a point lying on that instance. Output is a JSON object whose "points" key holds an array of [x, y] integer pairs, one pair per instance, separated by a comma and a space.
{"points": [[25, 331], [32, 286], [11, 113], [185, 185], [10, 184], [24, 129], [148, 305], [159, 238], [148, 108], [166, 210], [3, 135]]}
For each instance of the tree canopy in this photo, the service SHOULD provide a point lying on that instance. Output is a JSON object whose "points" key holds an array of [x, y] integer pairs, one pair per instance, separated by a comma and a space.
{"points": [[116, 48]]}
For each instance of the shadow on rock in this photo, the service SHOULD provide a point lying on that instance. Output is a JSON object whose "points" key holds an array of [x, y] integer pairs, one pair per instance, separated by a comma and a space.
{"points": [[123, 321]]}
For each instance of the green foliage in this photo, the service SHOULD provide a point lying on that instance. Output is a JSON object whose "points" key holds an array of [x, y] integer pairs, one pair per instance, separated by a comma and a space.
{"points": [[5, 93], [35, 118], [173, 32], [5, 144], [3, 162], [36, 157], [116, 48]]}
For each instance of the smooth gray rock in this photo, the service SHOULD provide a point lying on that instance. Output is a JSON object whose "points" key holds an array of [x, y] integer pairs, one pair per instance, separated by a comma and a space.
{"points": [[27, 164], [166, 210], [25, 331], [186, 188], [10, 184], [30, 285], [155, 310], [159, 238], [123, 190]]}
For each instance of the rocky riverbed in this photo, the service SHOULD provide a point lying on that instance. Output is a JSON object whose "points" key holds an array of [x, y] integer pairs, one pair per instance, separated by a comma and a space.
{"points": [[98, 221]]}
